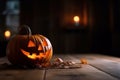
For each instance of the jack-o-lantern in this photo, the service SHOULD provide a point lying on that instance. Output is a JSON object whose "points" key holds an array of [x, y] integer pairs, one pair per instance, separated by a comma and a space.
{"points": [[25, 49]]}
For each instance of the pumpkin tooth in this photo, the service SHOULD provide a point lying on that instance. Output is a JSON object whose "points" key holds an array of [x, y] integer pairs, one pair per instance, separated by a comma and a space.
{"points": [[33, 56]]}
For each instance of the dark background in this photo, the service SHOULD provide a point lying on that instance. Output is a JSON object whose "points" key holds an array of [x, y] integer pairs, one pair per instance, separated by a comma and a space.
{"points": [[98, 31]]}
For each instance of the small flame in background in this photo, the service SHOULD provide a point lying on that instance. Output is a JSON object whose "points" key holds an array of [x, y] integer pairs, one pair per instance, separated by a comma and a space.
{"points": [[76, 20], [7, 34]]}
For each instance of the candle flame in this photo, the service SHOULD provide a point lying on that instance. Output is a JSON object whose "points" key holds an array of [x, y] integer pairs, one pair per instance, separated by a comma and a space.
{"points": [[7, 34], [76, 18]]}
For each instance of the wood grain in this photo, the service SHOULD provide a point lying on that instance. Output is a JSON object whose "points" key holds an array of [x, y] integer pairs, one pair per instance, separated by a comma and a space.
{"points": [[99, 67]]}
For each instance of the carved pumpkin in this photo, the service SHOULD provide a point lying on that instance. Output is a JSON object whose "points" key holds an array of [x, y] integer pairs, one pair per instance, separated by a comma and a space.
{"points": [[25, 49]]}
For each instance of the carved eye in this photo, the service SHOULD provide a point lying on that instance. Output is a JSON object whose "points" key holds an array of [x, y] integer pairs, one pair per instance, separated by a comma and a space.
{"points": [[31, 44], [40, 48]]}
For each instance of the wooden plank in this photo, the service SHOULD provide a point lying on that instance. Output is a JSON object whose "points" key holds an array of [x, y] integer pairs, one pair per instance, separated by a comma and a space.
{"points": [[8, 72], [108, 66], [87, 72], [104, 63], [100, 68], [21, 75], [3, 60]]}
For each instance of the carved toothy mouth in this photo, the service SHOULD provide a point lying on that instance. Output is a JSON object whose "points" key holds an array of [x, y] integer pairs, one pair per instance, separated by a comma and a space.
{"points": [[32, 55]]}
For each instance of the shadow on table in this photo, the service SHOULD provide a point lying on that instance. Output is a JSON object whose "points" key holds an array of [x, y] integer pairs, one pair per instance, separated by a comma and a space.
{"points": [[6, 66]]}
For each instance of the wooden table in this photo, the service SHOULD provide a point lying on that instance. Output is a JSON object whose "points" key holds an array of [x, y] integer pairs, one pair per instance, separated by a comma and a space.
{"points": [[99, 67]]}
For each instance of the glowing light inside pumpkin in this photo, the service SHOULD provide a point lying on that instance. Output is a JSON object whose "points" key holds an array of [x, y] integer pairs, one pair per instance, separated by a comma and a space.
{"points": [[45, 43], [40, 48], [31, 44], [7, 34], [33, 56]]}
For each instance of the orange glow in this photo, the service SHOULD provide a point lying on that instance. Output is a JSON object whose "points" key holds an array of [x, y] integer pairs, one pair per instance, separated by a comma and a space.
{"points": [[40, 47], [31, 44], [76, 19], [7, 34], [83, 61], [33, 55]]}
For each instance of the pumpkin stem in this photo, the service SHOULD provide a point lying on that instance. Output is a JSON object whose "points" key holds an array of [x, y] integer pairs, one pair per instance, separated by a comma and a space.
{"points": [[24, 30]]}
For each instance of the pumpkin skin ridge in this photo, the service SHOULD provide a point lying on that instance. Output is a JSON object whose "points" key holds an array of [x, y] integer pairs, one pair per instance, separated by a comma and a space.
{"points": [[11, 52], [18, 44], [48, 56], [41, 44]]}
